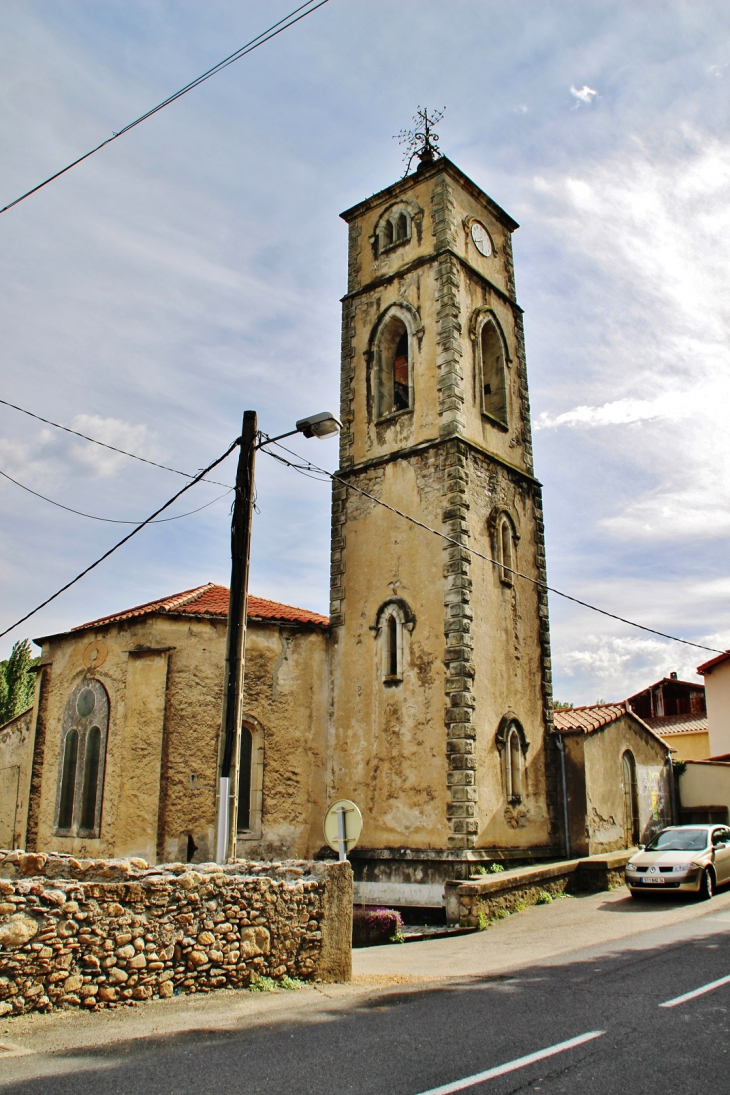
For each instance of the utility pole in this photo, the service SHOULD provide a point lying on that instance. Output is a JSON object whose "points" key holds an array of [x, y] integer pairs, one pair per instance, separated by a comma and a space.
{"points": [[236, 640]]}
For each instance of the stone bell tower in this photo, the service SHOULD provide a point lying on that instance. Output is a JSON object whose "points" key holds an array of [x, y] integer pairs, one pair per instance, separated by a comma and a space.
{"points": [[441, 699]]}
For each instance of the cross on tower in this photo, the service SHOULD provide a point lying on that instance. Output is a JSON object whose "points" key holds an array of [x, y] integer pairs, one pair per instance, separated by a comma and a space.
{"points": [[421, 141]]}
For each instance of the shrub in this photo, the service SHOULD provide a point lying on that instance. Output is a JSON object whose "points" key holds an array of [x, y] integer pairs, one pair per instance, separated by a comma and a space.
{"points": [[495, 868], [373, 927], [544, 898]]}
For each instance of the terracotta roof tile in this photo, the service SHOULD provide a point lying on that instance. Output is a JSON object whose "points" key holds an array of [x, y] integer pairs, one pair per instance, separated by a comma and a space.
{"points": [[211, 600], [707, 667], [589, 718], [678, 724]]}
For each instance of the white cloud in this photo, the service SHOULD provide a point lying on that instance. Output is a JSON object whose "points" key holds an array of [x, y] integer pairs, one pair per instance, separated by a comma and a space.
{"points": [[584, 94]]}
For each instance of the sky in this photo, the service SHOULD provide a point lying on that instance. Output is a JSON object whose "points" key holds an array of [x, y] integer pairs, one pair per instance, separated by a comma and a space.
{"points": [[193, 269]]}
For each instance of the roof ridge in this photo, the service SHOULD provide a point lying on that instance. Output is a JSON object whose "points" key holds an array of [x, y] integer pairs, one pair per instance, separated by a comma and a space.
{"points": [[179, 599]]}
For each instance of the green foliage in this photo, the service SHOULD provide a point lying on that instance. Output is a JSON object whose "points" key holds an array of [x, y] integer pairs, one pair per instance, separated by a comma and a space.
{"points": [[16, 682], [559, 705], [544, 898], [520, 906], [482, 922], [679, 767], [500, 914], [495, 868], [261, 983]]}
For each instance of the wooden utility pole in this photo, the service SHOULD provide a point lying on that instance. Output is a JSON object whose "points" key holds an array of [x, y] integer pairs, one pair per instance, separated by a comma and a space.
{"points": [[236, 642]]}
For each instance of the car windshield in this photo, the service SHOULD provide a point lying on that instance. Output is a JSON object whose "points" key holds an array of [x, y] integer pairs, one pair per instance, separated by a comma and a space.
{"points": [[679, 840]]}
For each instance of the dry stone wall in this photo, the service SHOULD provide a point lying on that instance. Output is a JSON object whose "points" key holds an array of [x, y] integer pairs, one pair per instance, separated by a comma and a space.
{"points": [[101, 933]]}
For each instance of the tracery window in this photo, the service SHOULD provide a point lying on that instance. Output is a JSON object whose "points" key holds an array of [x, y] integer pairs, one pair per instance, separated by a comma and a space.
{"points": [[395, 228], [493, 376], [513, 745], [82, 758], [393, 368]]}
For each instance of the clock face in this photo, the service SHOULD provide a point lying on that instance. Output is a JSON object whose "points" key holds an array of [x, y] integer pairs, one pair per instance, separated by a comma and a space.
{"points": [[481, 239]]}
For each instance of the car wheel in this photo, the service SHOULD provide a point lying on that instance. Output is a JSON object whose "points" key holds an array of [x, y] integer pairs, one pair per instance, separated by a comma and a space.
{"points": [[636, 894], [707, 886]]}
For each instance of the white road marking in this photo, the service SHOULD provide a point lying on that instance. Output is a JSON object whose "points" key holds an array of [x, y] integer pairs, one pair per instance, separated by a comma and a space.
{"points": [[696, 992], [511, 1066]]}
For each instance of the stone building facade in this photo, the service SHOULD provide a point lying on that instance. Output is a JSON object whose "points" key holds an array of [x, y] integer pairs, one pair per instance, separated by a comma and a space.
{"points": [[426, 695]]}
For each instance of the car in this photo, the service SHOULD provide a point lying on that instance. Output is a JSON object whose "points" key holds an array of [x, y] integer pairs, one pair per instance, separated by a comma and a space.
{"points": [[688, 858]]}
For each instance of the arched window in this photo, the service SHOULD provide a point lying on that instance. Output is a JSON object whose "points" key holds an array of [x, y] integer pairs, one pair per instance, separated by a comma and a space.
{"points": [[244, 780], [514, 766], [68, 779], [494, 383], [506, 550], [250, 781], [387, 234], [393, 366], [513, 745], [631, 800], [393, 620], [83, 751], [401, 227]]}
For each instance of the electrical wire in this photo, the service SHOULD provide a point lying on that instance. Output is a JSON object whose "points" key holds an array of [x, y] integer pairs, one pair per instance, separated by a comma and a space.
{"points": [[124, 539], [308, 467], [111, 520], [259, 40], [104, 445]]}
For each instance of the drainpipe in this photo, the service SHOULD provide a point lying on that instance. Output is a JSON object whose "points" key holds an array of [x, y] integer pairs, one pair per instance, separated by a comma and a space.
{"points": [[564, 788]]}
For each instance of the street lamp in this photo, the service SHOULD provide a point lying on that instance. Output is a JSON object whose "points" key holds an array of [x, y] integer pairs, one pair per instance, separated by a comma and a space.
{"points": [[319, 425]]}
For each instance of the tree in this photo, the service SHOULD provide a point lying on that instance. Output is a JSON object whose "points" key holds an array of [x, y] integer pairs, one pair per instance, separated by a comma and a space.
{"points": [[16, 682]]}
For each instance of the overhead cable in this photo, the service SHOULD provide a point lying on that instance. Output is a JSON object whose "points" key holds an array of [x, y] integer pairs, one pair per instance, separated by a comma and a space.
{"points": [[265, 36], [124, 539], [110, 520], [105, 445], [307, 466]]}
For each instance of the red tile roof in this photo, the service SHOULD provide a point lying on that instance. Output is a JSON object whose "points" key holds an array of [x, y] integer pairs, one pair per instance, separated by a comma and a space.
{"points": [[212, 601], [589, 718], [707, 667], [678, 724]]}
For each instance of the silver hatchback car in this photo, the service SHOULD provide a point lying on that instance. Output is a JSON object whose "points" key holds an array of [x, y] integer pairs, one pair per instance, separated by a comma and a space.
{"points": [[692, 858]]}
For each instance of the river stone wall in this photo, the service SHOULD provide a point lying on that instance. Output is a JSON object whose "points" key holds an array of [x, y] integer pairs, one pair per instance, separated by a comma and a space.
{"points": [[100, 933]]}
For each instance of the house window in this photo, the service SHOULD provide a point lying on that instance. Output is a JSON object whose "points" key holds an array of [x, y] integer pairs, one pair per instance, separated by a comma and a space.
{"points": [[393, 365], [506, 551], [83, 751], [631, 800], [493, 377]]}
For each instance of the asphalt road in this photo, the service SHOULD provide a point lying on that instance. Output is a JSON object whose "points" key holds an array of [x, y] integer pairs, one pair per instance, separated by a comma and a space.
{"points": [[416, 1041]]}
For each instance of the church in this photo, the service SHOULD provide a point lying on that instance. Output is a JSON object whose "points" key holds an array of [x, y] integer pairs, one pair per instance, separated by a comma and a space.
{"points": [[425, 696]]}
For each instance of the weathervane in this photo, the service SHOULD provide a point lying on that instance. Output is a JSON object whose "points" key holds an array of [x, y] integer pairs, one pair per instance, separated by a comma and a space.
{"points": [[421, 141]]}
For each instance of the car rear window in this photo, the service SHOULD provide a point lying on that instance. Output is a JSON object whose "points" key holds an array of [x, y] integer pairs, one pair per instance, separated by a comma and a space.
{"points": [[679, 840]]}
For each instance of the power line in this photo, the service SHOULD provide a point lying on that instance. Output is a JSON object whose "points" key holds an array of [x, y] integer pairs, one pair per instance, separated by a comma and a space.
{"points": [[308, 466], [104, 445], [124, 540], [259, 40], [110, 520]]}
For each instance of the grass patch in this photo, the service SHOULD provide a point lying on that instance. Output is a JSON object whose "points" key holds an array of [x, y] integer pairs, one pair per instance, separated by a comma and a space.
{"points": [[544, 898], [268, 984]]}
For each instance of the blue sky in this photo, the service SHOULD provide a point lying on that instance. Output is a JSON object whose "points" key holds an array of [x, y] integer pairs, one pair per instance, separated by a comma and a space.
{"points": [[194, 268]]}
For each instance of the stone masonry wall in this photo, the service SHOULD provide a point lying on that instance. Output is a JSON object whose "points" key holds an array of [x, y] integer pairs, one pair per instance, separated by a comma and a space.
{"points": [[100, 933]]}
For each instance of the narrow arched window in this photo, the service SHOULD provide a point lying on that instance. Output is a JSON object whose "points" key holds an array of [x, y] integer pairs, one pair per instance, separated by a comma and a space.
{"points": [[392, 647], [393, 366], [513, 760], [81, 775], [506, 551], [401, 227], [494, 385], [387, 234], [68, 780], [393, 621], [91, 779], [631, 800], [244, 780]]}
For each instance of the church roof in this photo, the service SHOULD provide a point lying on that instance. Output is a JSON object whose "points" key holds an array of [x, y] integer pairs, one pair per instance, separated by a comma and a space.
{"points": [[598, 715], [211, 601]]}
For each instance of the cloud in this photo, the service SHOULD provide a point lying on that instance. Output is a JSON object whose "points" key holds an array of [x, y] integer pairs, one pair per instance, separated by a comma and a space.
{"points": [[52, 454], [584, 94]]}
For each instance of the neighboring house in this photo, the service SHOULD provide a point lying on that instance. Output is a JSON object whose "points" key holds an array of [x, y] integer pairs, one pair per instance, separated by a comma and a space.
{"points": [[619, 777], [716, 672], [704, 791], [426, 697], [15, 755], [676, 710]]}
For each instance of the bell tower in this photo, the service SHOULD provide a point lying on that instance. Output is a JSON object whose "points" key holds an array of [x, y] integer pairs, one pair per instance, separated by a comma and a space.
{"points": [[440, 707]]}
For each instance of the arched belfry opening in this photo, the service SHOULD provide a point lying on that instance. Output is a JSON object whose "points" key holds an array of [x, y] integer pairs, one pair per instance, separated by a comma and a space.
{"points": [[393, 367], [494, 381]]}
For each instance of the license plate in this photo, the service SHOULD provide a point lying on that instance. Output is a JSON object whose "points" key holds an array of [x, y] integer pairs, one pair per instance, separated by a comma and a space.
{"points": [[658, 881]]}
